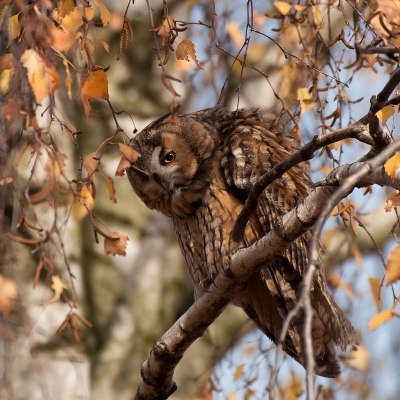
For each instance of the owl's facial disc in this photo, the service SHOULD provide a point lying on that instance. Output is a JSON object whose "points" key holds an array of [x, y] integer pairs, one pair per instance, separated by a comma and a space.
{"points": [[169, 170]]}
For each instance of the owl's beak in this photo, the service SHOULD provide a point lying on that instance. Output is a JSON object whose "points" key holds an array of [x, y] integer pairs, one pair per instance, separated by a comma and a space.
{"points": [[163, 184]]}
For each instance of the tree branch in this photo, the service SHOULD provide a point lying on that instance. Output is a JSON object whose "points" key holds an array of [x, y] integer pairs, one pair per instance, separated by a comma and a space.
{"points": [[157, 371]]}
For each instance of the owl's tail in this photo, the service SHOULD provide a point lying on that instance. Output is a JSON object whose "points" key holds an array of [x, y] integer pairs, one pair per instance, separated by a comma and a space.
{"points": [[267, 300]]}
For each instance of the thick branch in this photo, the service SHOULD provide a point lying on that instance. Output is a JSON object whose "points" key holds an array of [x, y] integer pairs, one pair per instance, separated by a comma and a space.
{"points": [[157, 371]]}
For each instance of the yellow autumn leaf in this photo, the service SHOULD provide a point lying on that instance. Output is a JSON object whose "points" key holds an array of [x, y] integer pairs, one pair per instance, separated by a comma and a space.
{"points": [[116, 246], [386, 112], [105, 15], [298, 7], [306, 102], [392, 201], [393, 266], [282, 7], [74, 19], [380, 319], [185, 49], [235, 33], [14, 27], [111, 189], [317, 15], [58, 286], [6, 181], [85, 197], [95, 87], [359, 359], [232, 396], [392, 165], [43, 78], [5, 78], [8, 294], [64, 7], [239, 372], [90, 164], [375, 285]]}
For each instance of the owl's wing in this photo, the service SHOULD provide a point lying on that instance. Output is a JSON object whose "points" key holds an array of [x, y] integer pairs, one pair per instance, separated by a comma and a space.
{"points": [[252, 146]]}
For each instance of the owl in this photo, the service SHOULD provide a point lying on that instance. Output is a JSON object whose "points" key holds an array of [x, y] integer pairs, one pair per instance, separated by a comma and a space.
{"points": [[198, 169]]}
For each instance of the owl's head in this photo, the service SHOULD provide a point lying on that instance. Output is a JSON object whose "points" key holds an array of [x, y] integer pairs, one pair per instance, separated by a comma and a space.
{"points": [[176, 163]]}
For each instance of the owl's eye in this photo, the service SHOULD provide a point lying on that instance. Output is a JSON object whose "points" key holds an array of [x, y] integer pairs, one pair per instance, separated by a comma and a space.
{"points": [[169, 157]]}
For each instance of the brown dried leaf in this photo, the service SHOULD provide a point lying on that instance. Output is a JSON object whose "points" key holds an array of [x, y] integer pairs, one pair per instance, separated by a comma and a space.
{"points": [[58, 286], [392, 165], [90, 164], [380, 319], [42, 77], [111, 189], [392, 201], [8, 294], [115, 247], [105, 15], [393, 266], [165, 29], [123, 165], [12, 109], [95, 87], [129, 152], [185, 49], [375, 284]]}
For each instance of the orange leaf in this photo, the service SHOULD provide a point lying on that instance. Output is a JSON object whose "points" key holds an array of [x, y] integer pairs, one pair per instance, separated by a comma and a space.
{"points": [[393, 201], [58, 286], [249, 394], [129, 152], [115, 247], [42, 77], [283, 7], [123, 165], [105, 15], [239, 372], [74, 19], [185, 49], [8, 294], [111, 189], [393, 266], [392, 165], [64, 7], [95, 87], [90, 164], [380, 319], [165, 29], [375, 284]]}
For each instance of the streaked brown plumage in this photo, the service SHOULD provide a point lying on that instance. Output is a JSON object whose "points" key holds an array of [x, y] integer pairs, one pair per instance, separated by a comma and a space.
{"points": [[198, 170]]}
